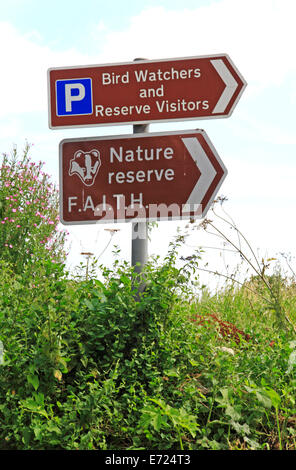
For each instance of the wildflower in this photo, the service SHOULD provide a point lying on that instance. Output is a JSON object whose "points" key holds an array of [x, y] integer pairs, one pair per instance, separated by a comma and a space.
{"points": [[14, 210], [228, 350]]}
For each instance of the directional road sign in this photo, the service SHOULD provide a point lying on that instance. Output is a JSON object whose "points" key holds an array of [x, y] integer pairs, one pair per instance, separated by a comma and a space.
{"points": [[142, 177], [144, 91]]}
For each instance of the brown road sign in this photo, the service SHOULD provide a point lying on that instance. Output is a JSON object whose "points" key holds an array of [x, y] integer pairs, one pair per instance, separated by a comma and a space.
{"points": [[143, 177], [144, 91]]}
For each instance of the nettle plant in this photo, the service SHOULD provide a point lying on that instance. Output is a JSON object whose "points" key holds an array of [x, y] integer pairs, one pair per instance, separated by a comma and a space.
{"points": [[28, 212]]}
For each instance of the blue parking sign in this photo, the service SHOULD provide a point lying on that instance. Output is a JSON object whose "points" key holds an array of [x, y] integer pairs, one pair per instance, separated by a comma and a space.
{"points": [[74, 97]]}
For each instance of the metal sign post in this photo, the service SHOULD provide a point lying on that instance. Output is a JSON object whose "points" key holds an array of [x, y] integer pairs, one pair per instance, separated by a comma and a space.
{"points": [[140, 229]]}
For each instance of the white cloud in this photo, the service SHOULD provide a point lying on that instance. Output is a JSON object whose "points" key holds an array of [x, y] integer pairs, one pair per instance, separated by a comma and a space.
{"points": [[24, 64], [258, 35]]}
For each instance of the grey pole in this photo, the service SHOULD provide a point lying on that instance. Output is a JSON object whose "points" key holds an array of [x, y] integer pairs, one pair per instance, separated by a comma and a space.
{"points": [[139, 229]]}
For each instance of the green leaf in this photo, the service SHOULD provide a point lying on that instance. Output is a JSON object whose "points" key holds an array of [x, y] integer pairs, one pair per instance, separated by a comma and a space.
{"points": [[171, 373], [34, 381], [89, 304], [1, 353], [157, 421], [194, 363], [274, 397], [291, 362], [37, 431], [35, 405], [230, 411], [242, 429], [26, 436], [263, 399]]}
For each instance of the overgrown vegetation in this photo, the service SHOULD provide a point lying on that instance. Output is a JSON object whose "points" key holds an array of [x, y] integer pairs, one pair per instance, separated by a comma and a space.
{"points": [[86, 366], [28, 212]]}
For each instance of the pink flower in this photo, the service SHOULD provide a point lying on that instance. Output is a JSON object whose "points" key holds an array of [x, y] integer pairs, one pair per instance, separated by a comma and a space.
{"points": [[18, 225], [13, 210]]}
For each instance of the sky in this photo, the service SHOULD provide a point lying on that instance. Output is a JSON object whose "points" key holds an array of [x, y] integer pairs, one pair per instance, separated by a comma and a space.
{"points": [[257, 143]]}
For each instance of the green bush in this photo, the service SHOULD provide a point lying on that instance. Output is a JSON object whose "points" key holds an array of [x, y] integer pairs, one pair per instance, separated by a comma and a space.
{"points": [[92, 364]]}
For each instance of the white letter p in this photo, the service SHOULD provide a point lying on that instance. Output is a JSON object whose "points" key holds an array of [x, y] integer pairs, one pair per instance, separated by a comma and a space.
{"points": [[69, 97]]}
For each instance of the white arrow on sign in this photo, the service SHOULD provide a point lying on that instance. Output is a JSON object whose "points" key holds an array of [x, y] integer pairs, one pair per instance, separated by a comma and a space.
{"points": [[206, 178], [230, 82]]}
